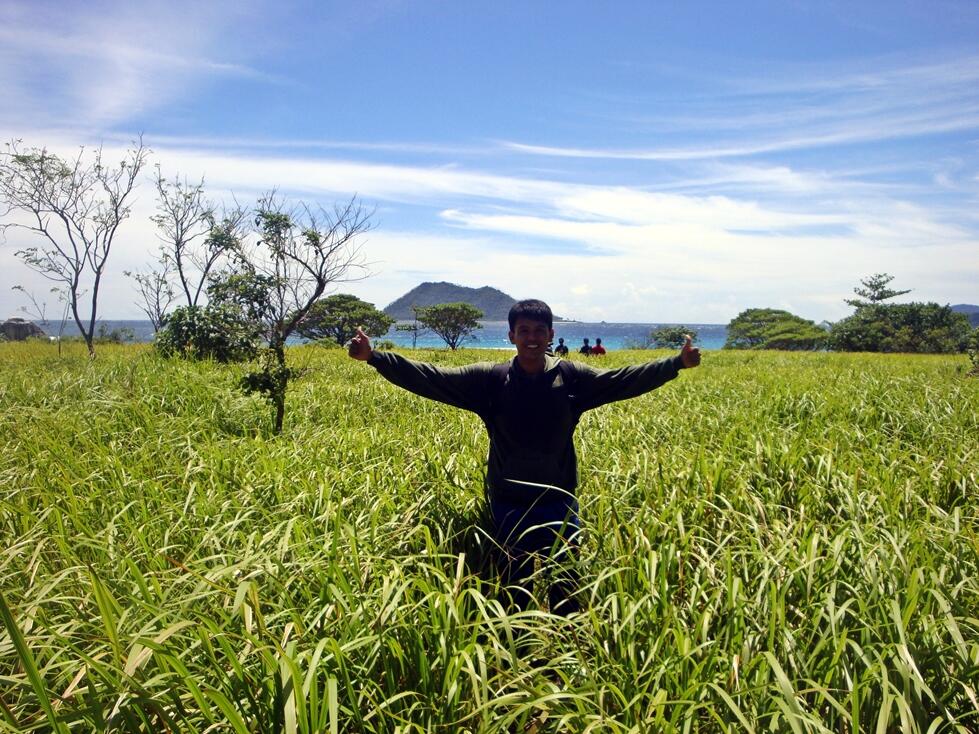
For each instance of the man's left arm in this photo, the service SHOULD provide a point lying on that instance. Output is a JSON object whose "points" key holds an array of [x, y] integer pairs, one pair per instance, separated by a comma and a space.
{"points": [[597, 387]]}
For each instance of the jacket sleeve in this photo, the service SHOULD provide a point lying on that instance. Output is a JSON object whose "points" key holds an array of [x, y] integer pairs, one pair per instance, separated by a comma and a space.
{"points": [[461, 387], [594, 387]]}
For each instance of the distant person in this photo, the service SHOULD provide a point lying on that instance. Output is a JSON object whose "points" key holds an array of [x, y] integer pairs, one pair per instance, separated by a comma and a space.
{"points": [[530, 407], [585, 347], [561, 350], [598, 348]]}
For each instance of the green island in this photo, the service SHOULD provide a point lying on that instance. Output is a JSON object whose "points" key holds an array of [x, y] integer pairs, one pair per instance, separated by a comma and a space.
{"points": [[773, 542]]}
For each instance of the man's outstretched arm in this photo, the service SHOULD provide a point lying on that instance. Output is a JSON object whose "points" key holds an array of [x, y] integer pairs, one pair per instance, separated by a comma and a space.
{"points": [[597, 387], [462, 387]]}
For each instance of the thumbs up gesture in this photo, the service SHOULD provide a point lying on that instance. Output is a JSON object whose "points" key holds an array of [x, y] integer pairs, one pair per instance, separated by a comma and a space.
{"points": [[360, 346], [689, 354]]}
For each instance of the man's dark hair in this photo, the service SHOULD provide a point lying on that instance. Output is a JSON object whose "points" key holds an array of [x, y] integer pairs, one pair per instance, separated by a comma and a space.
{"points": [[530, 309]]}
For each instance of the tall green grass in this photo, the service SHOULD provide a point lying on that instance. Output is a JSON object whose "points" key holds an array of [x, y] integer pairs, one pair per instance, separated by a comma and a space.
{"points": [[773, 542]]}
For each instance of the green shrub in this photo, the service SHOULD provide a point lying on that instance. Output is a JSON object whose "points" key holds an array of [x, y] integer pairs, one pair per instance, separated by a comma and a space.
{"points": [[902, 327], [115, 336], [771, 328], [217, 332], [972, 349], [671, 337]]}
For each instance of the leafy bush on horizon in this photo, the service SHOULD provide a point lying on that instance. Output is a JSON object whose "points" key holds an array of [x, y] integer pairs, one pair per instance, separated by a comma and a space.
{"points": [[925, 328], [772, 328], [671, 337]]}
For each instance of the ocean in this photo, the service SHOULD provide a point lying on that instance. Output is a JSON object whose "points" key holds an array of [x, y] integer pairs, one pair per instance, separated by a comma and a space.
{"points": [[493, 335]]}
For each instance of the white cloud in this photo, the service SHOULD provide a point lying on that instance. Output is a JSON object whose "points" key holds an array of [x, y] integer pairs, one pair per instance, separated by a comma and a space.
{"points": [[111, 63], [801, 108], [596, 252]]}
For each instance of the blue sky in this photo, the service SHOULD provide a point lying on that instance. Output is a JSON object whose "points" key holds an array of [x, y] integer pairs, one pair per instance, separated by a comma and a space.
{"points": [[626, 161]]}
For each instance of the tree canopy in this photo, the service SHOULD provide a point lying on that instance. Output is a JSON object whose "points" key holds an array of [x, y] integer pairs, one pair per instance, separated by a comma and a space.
{"points": [[875, 290], [453, 322], [902, 327], [770, 328], [671, 337], [898, 327], [337, 317]]}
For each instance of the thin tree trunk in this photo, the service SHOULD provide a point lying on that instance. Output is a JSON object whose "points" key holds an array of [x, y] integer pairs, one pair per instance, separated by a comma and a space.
{"points": [[280, 383]]}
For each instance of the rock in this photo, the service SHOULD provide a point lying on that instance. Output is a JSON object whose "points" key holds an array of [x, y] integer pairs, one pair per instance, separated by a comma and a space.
{"points": [[17, 330]]}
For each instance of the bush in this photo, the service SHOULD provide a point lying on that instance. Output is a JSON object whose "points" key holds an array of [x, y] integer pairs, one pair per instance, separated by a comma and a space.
{"points": [[904, 327], [770, 328], [116, 336], [217, 332], [671, 337], [972, 349]]}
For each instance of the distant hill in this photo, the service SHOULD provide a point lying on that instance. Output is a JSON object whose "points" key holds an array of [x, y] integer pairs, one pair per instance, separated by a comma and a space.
{"points": [[494, 303], [970, 310]]}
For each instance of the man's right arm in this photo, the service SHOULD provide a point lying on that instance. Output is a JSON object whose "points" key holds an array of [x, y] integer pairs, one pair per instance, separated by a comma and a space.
{"points": [[462, 387]]}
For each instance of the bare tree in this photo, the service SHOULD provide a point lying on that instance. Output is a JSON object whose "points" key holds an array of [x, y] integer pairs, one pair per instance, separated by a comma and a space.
{"points": [[155, 291], [76, 207], [300, 251], [37, 309], [193, 235]]}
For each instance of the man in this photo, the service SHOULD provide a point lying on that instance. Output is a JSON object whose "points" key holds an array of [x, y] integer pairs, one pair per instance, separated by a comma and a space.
{"points": [[530, 407], [585, 347], [598, 349], [561, 349]]}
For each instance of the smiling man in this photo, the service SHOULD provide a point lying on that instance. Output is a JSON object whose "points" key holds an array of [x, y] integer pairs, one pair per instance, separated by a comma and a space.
{"points": [[530, 406]]}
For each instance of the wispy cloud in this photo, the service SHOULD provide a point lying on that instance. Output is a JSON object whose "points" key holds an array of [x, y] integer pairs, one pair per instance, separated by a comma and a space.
{"points": [[807, 110], [106, 68]]}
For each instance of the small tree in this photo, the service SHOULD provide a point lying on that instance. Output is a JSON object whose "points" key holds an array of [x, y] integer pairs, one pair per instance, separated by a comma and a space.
{"points": [[972, 349], [453, 322], [155, 291], [75, 207], [414, 328], [671, 337], [875, 290], [337, 317], [37, 310], [300, 251], [770, 328], [193, 235]]}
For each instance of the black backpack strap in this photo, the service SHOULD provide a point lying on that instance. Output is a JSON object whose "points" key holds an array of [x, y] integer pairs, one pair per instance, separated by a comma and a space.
{"points": [[494, 387], [569, 375], [499, 373]]}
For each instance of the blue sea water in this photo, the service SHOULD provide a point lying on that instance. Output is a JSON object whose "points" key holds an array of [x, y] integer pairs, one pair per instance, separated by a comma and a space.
{"points": [[492, 335]]}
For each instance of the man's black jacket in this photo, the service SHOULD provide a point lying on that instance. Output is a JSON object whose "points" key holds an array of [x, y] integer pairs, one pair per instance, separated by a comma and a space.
{"points": [[530, 418]]}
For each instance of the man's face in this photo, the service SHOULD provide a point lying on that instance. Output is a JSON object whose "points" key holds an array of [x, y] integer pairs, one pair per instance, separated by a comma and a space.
{"points": [[531, 338]]}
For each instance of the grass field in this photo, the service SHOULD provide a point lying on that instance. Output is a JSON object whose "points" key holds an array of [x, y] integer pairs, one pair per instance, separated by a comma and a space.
{"points": [[773, 542]]}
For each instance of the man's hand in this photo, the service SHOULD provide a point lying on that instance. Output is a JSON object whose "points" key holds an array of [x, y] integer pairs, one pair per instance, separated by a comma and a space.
{"points": [[360, 346], [690, 355]]}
